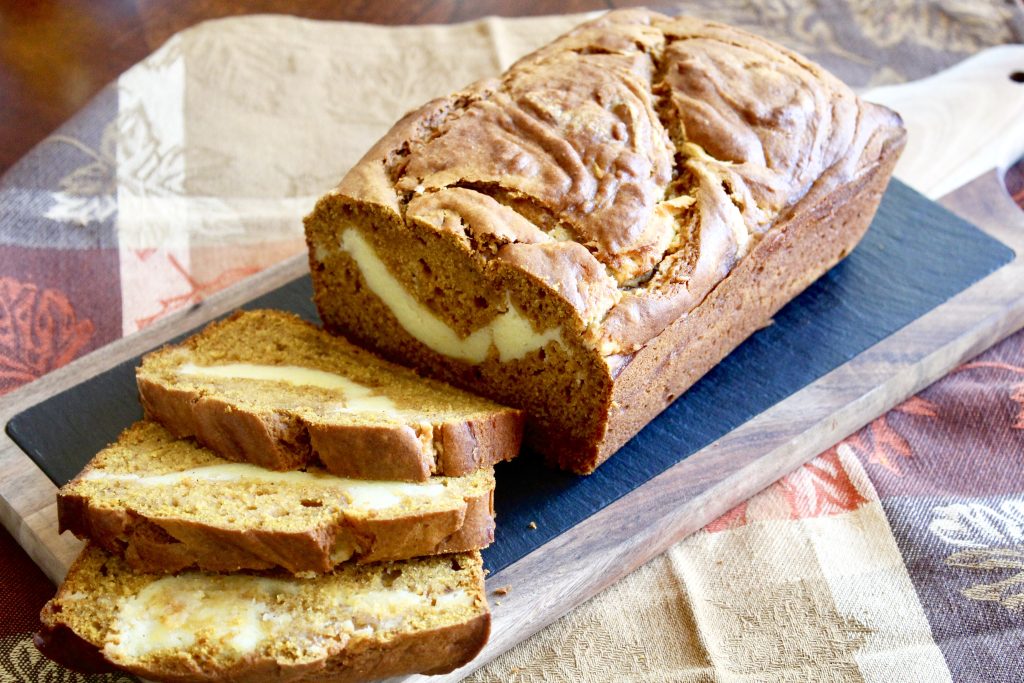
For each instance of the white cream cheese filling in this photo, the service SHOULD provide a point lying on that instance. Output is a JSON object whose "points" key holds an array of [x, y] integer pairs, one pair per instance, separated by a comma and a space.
{"points": [[510, 333], [371, 495], [239, 613], [174, 612], [356, 397]]}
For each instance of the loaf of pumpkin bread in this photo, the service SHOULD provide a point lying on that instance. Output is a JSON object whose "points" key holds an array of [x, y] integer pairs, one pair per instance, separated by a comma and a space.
{"points": [[357, 623], [586, 235], [268, 388], [168, 504]]}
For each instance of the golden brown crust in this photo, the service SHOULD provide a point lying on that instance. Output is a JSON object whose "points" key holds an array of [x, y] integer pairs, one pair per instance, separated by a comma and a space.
{"points": [[278, 437], [374, 452], [609, 186], [214, 422], [477, 524], [169, 546]]}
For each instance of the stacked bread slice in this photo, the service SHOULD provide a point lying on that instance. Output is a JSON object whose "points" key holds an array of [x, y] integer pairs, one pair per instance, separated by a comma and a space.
{"points": [[293, 508], [333, 404]]}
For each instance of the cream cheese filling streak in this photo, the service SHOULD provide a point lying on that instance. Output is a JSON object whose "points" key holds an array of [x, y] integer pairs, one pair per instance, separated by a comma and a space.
{"points": [[242, 613], [356, 396], [510, 333], [371, 495]]}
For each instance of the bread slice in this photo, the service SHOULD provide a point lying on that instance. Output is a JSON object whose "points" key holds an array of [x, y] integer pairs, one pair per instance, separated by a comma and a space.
{"points": [[357, 623], [168, 504], [269, 388]]}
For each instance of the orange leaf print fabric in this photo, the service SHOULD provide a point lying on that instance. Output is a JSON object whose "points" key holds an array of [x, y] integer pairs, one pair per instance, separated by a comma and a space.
{"points": [[821, 487], [39, 332], [194, 289], [881, 444]]}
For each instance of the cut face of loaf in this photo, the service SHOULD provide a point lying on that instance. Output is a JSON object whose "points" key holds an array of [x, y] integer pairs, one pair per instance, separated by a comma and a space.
{"points": [[357, 623], [168, 504], [588, 234], [268, 388]]}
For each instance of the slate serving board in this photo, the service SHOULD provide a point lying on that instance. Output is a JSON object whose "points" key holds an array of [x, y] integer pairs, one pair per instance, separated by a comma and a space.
{"points": [[915, 257]]}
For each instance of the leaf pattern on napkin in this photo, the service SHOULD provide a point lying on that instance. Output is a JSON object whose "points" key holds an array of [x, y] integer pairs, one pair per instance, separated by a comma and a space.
{"points": [[821, 488], [39, 332], [407, 79], [777, 628], [992, 542], [89, 193], [252, 76], [147, 167], [880, 443], [129, 156], [955, 25], [733, 519], [979, 525], [797, 24], [1008, 592], [194, 290]]}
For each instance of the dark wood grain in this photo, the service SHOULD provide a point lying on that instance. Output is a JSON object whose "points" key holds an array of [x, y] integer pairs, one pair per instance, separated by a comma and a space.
{"points": [[54, 56]]}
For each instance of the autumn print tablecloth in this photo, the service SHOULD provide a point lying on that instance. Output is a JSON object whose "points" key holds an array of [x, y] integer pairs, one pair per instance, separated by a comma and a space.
{"points": [[896, 555]]}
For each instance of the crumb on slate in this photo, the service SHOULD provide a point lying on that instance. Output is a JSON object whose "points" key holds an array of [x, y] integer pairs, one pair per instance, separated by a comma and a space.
{"points": [[532, 525], [503, 590]]}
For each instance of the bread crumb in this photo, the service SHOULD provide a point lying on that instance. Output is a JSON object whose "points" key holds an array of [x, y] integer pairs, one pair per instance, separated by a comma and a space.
{"points": [[503, 590], [497, 603], [532, 525]]}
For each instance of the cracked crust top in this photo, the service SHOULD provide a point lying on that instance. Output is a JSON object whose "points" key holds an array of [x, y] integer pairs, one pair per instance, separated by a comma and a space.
{"points": [[630, 164]]}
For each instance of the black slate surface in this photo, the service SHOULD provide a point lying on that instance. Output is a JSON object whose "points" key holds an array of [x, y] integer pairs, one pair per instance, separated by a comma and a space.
{"points": [[915, 256]]}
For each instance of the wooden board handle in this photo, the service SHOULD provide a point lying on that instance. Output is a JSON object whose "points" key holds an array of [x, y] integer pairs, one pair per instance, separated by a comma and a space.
{"points": [[985, 202], [961, 122]]}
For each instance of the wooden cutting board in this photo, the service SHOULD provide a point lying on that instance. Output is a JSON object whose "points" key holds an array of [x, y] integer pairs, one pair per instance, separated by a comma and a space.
{"points": [[922, 293]]}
